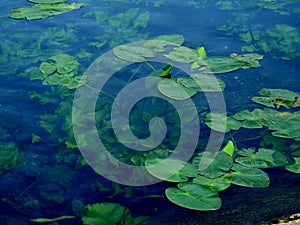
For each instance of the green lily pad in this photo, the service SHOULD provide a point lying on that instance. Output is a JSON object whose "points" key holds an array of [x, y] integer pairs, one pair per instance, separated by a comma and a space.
{"points": [[263, 158], [159, 170], [286, 125], [133, 53], [276, 98], [107, 214], [222, 123], [174, 90], [295, 168], [249, 60], [61, 70], [182, 54], [203, 83], [220, 164], [160, 42], [256, 118], [47, 68], [216, 184], [65, 63], [219, 64], [249, 177], [40, 11], [194, 196]]}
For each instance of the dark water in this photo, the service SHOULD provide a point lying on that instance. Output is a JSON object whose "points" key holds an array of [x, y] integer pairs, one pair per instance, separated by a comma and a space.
{"points": [[48, 178]]}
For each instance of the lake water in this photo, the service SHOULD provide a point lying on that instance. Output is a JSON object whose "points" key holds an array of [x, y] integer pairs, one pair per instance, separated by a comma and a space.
{"points": [[42, 171]]}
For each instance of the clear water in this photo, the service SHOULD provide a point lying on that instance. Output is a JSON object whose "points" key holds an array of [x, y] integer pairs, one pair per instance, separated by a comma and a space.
{"points": [[50, 179]]}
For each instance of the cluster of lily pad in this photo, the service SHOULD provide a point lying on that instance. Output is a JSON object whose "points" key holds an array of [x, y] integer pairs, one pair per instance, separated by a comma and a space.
{"points": [[281, 124], [200, 81], [198, 188]]}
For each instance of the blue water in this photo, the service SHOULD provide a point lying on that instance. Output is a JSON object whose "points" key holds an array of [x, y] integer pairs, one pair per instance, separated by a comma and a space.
{"points": [[49, 179]]}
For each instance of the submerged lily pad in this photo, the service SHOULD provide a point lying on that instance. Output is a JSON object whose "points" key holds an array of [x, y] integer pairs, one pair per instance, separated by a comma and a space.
{"points": [[9, 157], [174, 90], [40, 11], [194, 196]]}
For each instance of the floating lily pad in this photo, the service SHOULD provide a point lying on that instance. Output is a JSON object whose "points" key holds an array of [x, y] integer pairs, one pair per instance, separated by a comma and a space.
{"points": [[174, 90], [249, 177], [295, 168], [133, 53], [249, 60], [220, 164], [216, 184], [107, 214], [219, 64], [283, 124], [159, 171], [182, 54], [40, 11], [160, 42], [287, 126], [201, 82], [194, 196], [276, 98], [263, 158], [222, 123]]}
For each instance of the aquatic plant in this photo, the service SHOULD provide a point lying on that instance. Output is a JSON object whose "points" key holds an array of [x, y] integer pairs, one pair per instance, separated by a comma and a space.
{"points": [[10, 157], [43, 9], [198, 188], [281, 41], [219, 175], [109, 213]]}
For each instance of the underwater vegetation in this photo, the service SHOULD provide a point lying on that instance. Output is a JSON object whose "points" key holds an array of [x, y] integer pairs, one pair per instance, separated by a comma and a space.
{"points": [[54, 60], [279, 40], [196, 189]]}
